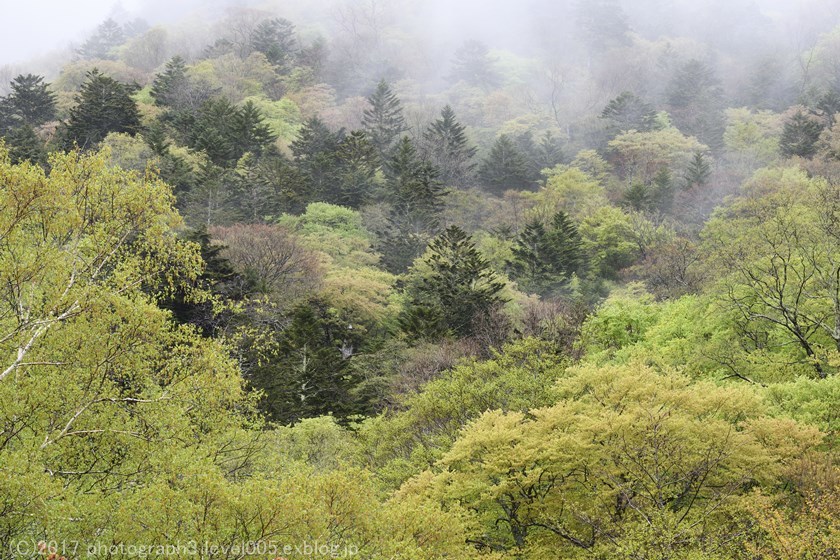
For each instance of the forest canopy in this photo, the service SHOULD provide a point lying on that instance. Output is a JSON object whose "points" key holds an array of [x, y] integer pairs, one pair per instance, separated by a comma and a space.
{"points": [[391, 281]]}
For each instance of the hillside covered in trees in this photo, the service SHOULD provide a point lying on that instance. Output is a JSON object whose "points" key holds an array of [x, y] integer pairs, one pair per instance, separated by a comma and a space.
{"points": [[390, 280]]}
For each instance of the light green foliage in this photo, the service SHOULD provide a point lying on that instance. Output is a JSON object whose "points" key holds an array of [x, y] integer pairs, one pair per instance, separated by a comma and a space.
{"points": [[336, 231], [73, 75], [570, 190], [147, 51], [402, 443], [815, 402], [128, 152], [352, 282], [591, 163], [614, 239], [778, 252], [823, 58], [88, 360], [752, 139], [628, 462], [640, 155], [623, 319], [236, 77], [283, 116]]}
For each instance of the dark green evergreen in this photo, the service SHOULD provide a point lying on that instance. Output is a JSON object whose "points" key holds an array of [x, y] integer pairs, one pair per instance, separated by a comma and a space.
{"points": [[474, 65], [800, 136], [251, 132], [505, 167], [415, 197], [545, 258], [698, 172], [30, 102], [169, 85], [383, 120], [454, 290], [696, 103], [213, 131], [103, 105], [25, 145], [310, 375], [357, 163], [629, 112], [315, 153], [449, 149], [102, 43], [275, 38], [602, 24]]}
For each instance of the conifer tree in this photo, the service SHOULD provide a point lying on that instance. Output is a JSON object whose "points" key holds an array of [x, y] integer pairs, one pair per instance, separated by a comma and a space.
{"points": [[412, 183], [505, 167], [638, 197], [416, 198], [103, 105], [168, 85], [25, 145], [698, 171], [310, 376], [629, 112], [275, 38], [544, 154], [31, 102], [530, 265], [662, 188], [449, 149], [696, 103], [383, 121], [251, 132], [358, 162], [544, 258], [474, 65], [800, 136], [315, 154], [101, 44], [213, 132], [456, 289], [7, 119], [603, 24]]}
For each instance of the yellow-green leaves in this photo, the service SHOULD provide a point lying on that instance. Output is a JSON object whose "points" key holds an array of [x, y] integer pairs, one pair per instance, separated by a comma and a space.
{"points": [[627, 460]]}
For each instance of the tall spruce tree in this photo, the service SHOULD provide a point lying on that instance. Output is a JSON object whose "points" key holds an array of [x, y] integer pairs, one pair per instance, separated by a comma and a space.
{"points": [[251, 132], [357, 164], [103, 105], [544, 258], [168, 85], [544, 154], [102, 43], [30, 102], [25, 145], [696, 103], [800, 136], [474, 65], [529, 264], [412, 183], [505, 167], [415, 197], [602, 24], [310, 376], [454, 290], [315, 153], [383, 120], [629, 112], [698, 172], [449, 150], [213, 131], [275, 38]]}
